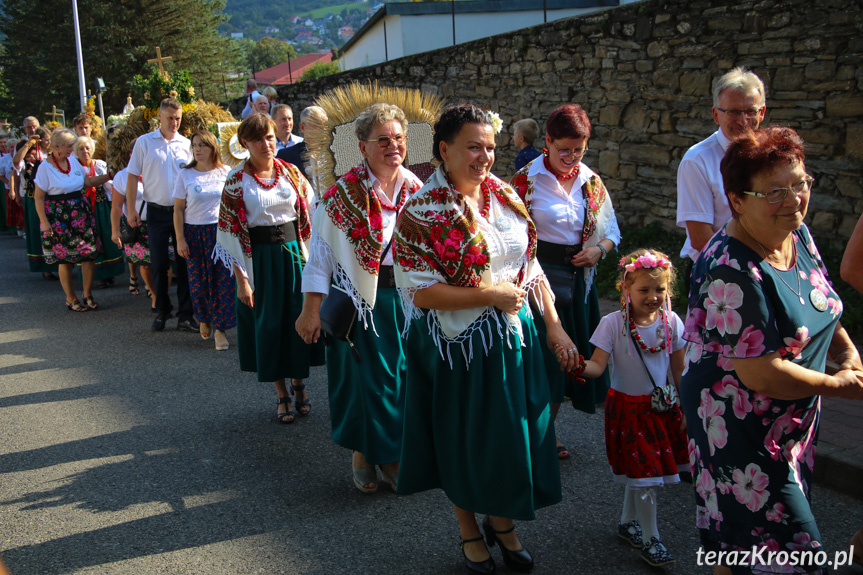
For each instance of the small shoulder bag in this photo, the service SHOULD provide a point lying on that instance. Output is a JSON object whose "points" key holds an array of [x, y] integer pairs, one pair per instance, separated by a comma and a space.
{"points": [[128, 234], [339, 314], [664, 397]]}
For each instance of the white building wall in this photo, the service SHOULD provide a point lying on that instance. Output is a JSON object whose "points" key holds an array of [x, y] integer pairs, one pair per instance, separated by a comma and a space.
{"points": [[426, 32], [369, 50], [414, 34]]}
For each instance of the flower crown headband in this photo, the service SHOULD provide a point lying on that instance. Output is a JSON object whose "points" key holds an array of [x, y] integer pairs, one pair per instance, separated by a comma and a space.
{"points": [[644, 261], [648, 260]]}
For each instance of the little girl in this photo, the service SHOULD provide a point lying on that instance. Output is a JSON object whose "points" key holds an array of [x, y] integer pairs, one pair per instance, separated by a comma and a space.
{"points": [[645, 448]]}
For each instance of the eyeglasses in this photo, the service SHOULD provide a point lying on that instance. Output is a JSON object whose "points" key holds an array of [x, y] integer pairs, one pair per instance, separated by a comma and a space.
{"points": [[750, 114], [384, 141], [778, 195], [567, 152]]}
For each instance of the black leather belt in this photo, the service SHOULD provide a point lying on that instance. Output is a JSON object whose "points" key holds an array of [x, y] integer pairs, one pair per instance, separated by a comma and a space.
{"points": [[160, 207], [69, 196], [274, 234], [555, 254], [386, 277]]}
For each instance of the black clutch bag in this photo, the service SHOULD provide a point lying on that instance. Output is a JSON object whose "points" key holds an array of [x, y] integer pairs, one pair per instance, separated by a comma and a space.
{"points": [[339, 318], [128, 234], [562, 283]]}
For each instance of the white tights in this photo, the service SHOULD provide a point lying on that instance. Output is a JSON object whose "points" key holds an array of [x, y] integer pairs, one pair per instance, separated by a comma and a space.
{"points": [[640, 503]]}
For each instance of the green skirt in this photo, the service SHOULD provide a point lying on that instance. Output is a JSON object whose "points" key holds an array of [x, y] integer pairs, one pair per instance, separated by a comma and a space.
{"points": [[109, 264], [482, 432], [579, 322], [367, 400], [35, 256], [267, 337]]}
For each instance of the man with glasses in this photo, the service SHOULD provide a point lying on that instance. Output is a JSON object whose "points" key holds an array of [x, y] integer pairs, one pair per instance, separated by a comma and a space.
{"points": [[702, 208]]}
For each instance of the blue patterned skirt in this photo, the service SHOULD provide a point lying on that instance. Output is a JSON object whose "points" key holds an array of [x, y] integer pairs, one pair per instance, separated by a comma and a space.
{"points": [[213, 289]]}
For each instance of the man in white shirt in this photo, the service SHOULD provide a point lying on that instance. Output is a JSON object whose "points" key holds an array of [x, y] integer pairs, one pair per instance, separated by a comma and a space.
{"points": [[283, 116], [251, 94], [30, 124], [262, 105], [702, 208], [158, 157]]}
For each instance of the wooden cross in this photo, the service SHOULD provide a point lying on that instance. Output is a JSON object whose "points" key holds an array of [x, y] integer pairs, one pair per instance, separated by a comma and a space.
{"points": [[158, 61], [54, 114]]}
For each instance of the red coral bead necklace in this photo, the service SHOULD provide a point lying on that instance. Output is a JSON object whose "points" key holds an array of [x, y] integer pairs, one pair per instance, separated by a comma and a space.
{"points": [[638, 340], [277, 172], [56, 163], [558, 175]]}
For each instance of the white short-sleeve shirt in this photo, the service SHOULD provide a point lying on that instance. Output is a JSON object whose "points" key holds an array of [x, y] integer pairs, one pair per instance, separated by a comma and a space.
{"points": [[119, 186], [54, 182], [202, 192], [628, 374], [700, 192], [5, 165], [269, 207], [558, 215], [159, 161]]}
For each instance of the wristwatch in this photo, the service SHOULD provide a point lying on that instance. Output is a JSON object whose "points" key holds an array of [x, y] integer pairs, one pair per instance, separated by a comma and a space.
{"points": [[603, 250]]}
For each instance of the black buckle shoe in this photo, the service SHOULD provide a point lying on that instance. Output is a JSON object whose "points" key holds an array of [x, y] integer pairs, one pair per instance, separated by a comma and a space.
{"points": [[477, 567], [519, 560], [159, 322], [188, 325], [655, 553]]}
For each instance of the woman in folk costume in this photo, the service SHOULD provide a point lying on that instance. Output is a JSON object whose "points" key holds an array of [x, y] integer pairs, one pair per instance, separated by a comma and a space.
{"points": [[576, 227], [352, 243], [263, 234], [109, 264], [478, 420], [66, 220]]}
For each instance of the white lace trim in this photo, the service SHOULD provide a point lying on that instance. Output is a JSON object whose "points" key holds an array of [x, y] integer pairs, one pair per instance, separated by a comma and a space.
{"points": [[483, 325], [406, 296], [343, 282], [588, 281], [534, 284], [221, 254]]}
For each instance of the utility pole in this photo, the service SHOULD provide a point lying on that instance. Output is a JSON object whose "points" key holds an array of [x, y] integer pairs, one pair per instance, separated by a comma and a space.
{"points": [[81, 89]]}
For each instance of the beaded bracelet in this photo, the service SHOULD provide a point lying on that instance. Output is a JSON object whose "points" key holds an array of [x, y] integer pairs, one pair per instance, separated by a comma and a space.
{"points": [[575, 373]]}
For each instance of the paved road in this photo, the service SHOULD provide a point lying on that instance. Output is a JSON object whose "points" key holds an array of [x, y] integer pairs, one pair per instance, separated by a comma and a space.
{"points": [[126, 451]]}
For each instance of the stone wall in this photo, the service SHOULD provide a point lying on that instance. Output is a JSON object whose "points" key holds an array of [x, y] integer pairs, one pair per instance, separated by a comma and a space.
{"points": [[643, 72]]}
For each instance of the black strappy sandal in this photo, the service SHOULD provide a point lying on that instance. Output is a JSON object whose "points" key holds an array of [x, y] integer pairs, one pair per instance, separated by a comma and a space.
{"points": [[301, 404], [75, 305], [288, 415], [133, 286], [91, 303]]}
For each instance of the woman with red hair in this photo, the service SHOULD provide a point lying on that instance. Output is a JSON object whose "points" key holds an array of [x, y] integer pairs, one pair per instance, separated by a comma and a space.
{"points": [[576, 227], [762, 321]]}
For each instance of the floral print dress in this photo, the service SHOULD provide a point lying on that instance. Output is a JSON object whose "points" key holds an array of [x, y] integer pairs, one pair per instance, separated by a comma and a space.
{"points": [[752, 455]]}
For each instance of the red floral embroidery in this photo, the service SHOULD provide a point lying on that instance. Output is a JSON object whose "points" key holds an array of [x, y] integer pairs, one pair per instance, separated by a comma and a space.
{"points": [[356, 210], [447, 239]]}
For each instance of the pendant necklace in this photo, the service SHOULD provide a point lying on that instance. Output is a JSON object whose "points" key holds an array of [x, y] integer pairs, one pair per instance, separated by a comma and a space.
{"points": [[794, 267]]}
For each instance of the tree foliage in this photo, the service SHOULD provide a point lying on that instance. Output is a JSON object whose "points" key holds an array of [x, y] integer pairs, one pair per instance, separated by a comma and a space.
{"points": [[320, 69], [118, 38], [268, 52]]}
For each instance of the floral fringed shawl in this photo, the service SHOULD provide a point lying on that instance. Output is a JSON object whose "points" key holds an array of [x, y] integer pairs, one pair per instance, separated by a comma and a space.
{"points": [[598, 213], [233, 247], [438, 240], [350, 222]]}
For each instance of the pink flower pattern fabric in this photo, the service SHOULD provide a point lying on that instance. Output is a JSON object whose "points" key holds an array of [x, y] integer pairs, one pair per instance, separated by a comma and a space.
{"points": [[752, 455]]}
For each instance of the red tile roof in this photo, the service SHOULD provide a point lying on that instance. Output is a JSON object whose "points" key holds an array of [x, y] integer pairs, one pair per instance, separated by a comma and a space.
{"points": [[285, 74]]}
